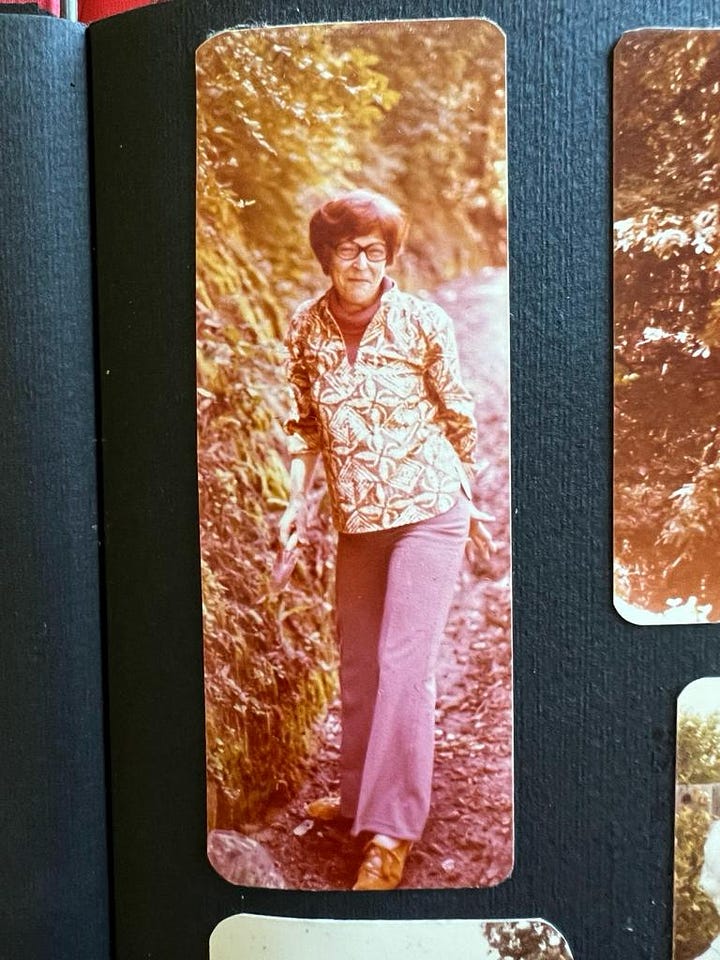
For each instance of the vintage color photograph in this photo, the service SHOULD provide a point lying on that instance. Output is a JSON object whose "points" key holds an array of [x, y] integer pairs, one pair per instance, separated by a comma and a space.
{"points": [[244, 937], [667, 325], [353, 454], [697, 823]]}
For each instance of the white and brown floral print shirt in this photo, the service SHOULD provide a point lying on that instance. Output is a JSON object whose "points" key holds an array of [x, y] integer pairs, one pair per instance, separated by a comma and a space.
{"points": [[396, 428]]}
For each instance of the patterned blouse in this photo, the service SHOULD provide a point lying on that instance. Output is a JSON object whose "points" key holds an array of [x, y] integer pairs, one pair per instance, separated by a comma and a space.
{"points": [[396, 429]]}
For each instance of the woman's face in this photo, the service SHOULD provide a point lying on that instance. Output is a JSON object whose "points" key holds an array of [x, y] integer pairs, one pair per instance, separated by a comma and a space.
{"points": [[357, 280]]}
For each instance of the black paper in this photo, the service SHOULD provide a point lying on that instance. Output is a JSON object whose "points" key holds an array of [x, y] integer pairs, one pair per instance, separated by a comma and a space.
{"points": [[53, 858], [595, 696]]}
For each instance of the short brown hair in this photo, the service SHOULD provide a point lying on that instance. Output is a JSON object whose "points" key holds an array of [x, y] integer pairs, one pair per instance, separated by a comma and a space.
{"points": [[356, 214]]}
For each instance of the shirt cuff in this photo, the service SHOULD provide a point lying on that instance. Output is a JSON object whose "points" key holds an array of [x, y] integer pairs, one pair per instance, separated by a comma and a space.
{"points": [[471, 469], [297, 445]]}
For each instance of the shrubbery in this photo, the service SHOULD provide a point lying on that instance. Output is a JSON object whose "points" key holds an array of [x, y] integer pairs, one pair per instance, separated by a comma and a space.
{"points": [[696, 921], [526, 940], [667, 318]]}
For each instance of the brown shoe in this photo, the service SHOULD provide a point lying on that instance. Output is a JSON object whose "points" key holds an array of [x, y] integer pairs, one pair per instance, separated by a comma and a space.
{"points": [[324, 808], [382, 866]]}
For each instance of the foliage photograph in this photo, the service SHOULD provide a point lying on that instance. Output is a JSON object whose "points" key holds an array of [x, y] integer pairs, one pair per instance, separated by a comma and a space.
{"points": [[667, 324], [696, 917], [251, 935], [287, 117]]}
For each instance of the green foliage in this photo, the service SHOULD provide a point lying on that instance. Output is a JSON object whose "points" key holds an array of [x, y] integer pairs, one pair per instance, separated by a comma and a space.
{"points": [[696, 922], [526, 940], [440, 152], [698, 748], [666, 88], [269, 661], [279, 115], [698, 761], [287, 117], [667, 317]]}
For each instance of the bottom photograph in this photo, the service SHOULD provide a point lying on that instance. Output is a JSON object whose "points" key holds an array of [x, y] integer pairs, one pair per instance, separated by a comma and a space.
{"points": [[697, 823], [278, 938]]}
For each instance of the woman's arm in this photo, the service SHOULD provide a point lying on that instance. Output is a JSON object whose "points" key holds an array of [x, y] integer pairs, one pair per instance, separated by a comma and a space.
{"points": [[454, 402], [294, 519], [456, 413], [480, 536]]}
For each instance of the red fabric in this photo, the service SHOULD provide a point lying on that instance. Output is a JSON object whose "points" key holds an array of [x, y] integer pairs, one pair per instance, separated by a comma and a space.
{"points": [[89, 10]]}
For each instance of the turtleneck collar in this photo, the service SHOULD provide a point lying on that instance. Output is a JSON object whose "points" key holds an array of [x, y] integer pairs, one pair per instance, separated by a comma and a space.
{"points": [[357, 319]]}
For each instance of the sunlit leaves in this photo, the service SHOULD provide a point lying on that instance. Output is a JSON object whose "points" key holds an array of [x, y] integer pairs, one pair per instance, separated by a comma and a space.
{"points": [[666, 95], [698, 762], [667, 329], [698, 748], [289, 113], [441, 151], [526, 940], [696, 919]]}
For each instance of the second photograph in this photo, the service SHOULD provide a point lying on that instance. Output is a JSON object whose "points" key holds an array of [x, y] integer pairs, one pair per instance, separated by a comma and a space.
{"points": [[353, 454], [666, 265]]}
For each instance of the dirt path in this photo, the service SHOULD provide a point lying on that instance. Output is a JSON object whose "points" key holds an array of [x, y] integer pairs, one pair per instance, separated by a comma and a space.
{"points": [[468, 838]]}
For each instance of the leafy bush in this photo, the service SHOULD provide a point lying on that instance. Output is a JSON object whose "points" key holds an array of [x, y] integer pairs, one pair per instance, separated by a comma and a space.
{"points": [[698, 748], [667, 318], [269, 661], [526, 940], [696, 922]]}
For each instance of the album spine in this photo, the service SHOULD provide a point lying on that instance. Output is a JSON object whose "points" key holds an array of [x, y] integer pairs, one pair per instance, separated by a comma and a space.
{"points": [[53, 839]]}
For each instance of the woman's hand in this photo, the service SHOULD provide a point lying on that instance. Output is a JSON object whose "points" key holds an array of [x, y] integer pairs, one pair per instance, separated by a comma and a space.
{"points": [[293, 522], [480, 536], [294, 519]]}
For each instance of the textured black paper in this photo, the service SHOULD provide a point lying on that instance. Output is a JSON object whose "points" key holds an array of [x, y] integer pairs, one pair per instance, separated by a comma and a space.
{"points": [[595, 696], [53, 860]]}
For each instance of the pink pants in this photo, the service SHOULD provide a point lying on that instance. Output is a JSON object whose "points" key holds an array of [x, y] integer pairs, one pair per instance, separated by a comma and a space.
{"points": [[394, 591]]}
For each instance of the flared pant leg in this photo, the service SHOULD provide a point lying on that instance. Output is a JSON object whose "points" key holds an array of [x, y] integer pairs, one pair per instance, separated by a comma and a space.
{"points": [[394, 591]]}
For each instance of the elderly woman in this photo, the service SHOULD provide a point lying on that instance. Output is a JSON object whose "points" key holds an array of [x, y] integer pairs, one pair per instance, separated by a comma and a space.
{"points": [[379, 396]]}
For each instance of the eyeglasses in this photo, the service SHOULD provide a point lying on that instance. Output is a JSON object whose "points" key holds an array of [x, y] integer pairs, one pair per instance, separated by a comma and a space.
{"points": [[349, 250]]}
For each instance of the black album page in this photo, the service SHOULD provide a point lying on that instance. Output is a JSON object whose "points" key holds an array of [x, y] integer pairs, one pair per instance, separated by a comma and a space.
{"points": [[594, 696], [54, 860]]}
